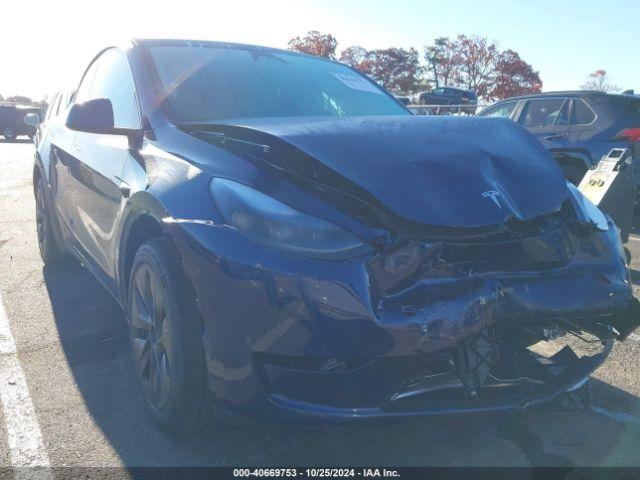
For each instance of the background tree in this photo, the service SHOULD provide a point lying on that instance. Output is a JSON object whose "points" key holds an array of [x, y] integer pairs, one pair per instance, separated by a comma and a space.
{"points": [[315, 43], [439, 58], [395, 68], [599, 81], [19, 99], [474, 58], [357, 57], [513, 76], [1, 98], [470, 62]]}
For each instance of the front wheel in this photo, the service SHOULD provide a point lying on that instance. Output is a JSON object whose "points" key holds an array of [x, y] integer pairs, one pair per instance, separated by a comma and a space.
{"points": [[166, 339]]}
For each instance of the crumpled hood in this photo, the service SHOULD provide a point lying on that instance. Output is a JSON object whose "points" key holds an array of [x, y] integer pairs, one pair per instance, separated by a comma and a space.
{"points": [[441, 171]]}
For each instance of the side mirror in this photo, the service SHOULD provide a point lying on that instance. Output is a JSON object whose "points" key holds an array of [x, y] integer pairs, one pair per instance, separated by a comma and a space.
{"points": [[92, 116], [96, 116], [32, 119]]}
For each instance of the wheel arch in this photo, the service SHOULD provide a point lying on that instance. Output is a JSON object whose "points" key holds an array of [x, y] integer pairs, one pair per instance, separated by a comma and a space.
{"points": [[38, 169], [142, 222]]}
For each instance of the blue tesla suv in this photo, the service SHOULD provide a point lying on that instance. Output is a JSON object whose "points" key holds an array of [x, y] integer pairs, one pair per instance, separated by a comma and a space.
{"points": [[290, 243]]}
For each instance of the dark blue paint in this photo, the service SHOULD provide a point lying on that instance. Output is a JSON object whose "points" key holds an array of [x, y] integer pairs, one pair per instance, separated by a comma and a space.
{"points": [[288, 337]]}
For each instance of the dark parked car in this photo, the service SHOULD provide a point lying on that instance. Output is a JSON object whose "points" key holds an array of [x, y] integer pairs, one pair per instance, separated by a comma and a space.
{"points": [[403, 99], [450, 96], [12, 121], [289, 242], [56, 110], [580, 127]]}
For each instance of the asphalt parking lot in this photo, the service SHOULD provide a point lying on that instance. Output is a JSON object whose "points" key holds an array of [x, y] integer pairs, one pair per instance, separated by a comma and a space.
{"points": [[72, 345]]}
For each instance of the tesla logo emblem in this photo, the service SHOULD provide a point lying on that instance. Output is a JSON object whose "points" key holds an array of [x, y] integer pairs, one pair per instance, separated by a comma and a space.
{"points": [[493, 196]]}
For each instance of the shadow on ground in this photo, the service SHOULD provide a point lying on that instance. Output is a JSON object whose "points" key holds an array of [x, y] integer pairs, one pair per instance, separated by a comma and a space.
{"points": [[94, 336]]}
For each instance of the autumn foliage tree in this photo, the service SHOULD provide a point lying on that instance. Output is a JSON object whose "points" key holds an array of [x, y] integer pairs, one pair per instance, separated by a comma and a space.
{"points": [[474, 59], [395, 68], [599, 81], [357, 57], [470, 62], [513, 76], [477, 64], [315, 43]]}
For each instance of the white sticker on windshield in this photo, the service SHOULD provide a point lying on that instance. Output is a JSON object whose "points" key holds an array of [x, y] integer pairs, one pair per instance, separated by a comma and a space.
{"points": [[357, 83]]}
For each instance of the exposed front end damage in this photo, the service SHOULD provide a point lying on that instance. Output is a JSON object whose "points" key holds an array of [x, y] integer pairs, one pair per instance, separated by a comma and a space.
{"points": [[418, 328], [515, 319], [454, 306]]}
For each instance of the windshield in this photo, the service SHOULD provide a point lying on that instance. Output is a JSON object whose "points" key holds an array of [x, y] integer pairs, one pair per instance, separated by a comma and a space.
{"points": [[218, 82]]}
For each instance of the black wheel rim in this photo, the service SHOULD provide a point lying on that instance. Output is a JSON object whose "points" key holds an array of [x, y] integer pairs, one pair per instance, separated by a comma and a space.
{"points": [[151, 337], [41, 220]]}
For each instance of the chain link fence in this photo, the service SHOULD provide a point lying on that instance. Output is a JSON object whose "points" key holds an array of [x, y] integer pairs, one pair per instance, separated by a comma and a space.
{"points": [[462, 109]]}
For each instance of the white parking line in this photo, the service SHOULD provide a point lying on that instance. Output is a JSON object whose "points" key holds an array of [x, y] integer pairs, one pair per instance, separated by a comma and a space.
{"points": [[621, 417], [24, 437]]}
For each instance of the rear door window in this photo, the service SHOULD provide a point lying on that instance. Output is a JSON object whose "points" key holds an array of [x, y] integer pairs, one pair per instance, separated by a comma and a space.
{"points": [[582, 113], [504, 109], [547, 112]]}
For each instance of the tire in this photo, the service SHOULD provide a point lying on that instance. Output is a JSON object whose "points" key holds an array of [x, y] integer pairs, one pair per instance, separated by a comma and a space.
{"points": [[9, 134], [50, 251], [166, 339]]}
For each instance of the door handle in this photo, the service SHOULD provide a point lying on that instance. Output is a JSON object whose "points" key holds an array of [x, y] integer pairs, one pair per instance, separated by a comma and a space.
{"points": [[75, 147], [554, 137]]}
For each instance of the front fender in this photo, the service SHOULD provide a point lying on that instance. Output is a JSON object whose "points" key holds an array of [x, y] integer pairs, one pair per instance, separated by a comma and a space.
{"points": [[141, 204]]}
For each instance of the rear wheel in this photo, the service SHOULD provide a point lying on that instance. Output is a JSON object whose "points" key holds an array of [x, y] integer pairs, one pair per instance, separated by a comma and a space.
{"points": [[166, 339], [50, 250], [9, 134]]}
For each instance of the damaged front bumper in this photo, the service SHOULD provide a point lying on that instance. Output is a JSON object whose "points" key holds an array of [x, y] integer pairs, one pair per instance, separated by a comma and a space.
{"points": [[405, 333]]}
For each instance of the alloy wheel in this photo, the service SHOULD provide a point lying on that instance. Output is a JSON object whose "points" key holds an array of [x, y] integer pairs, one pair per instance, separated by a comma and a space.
{"points": [[41, 220], [151, 337]]}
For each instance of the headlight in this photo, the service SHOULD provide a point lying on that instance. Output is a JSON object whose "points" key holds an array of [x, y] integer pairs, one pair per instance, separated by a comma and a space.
{"points": [[275, 224], [587, 211]]}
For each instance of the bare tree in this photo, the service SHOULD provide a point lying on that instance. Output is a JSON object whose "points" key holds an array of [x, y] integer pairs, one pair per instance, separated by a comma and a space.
{"points": [[599, 81]]}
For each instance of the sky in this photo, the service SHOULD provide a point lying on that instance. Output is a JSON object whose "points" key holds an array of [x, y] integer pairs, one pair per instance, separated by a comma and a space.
{"points": [[46, 45]]}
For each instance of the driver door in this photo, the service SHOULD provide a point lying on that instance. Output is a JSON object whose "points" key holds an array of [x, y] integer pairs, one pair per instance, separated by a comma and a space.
{"points": [[94, 162]]}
